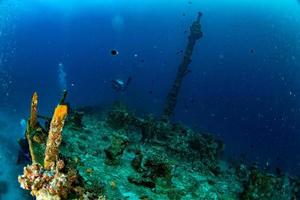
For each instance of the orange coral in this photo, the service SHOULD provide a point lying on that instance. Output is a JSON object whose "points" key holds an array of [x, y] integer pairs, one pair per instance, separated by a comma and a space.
{"points": [[54, 138]]}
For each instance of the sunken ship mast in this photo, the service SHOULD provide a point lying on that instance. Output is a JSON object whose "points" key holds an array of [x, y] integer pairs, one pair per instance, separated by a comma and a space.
{"points": [[183, 70]]}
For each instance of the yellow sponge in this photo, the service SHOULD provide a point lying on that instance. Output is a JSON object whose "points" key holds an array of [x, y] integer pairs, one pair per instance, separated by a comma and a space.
{"points": [[55, 137]]}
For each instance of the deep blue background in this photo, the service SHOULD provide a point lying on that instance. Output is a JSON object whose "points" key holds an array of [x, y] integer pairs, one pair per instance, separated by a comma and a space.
{"points": [[244, 86]]}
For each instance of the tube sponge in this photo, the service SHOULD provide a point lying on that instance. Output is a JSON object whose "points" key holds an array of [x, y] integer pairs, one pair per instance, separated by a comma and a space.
{"points": [[55, 137]]}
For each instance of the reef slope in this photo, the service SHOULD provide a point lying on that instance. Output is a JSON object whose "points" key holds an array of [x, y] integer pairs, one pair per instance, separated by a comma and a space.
{"points": [[117, 155]]}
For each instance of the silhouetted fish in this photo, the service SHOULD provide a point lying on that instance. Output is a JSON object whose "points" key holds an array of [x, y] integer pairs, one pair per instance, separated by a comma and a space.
{"points": [[114, 52]]}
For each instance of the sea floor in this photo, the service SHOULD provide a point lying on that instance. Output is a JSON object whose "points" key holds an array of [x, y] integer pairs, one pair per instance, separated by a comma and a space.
{"points": [[88, 148], [120, 156]]}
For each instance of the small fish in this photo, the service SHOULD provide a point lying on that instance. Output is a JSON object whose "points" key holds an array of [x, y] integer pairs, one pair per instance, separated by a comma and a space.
{"points": [[114, 52]]}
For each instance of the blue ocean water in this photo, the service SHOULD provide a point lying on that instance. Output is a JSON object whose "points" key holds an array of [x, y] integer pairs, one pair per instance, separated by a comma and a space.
{"points": [[244, 86]]}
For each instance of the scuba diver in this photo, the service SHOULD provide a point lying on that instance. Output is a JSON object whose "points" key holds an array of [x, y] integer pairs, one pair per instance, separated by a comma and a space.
{"points": [[119, 85]]}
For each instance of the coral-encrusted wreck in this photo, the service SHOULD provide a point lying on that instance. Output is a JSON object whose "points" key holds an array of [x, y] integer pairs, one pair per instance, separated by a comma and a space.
{"points": [[47, 179], [117, 155]]}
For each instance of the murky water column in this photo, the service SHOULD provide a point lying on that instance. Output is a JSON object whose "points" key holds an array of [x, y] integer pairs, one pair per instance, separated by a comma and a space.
{"points": [[9, 188], [7, 48]]}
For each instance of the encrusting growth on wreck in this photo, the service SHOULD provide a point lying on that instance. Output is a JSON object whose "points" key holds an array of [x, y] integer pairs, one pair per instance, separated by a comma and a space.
{"points": [[33, 113], [54, 137], [51, 181], [32, 123], [47, 184], [183, 70], [123, 156], [35, 134]]}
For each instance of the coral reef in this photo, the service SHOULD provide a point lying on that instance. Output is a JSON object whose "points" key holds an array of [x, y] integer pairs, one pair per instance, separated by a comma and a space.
{"points": [[154, 166], [114, 152], [122, 156], [265, 186], [47, 184], [75, 119], [48, 181], [176, 139]]}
